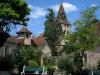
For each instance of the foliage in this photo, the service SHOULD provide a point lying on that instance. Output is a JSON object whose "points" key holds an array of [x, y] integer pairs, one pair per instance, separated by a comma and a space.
{"points": [[32, 63], [6, 63], [52, 29], [67, 64], [85, 36], [13, 11], [21, 64], [50, 61], [78, 62], [50, 70], [98, 65], [25, 53]]}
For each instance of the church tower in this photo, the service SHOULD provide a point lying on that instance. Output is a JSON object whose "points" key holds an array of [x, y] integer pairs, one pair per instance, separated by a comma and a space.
{"points": [[63, 21]]}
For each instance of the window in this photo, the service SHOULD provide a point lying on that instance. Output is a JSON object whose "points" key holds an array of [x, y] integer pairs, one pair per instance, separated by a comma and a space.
{"points": [[6, 51], [85, 57]]}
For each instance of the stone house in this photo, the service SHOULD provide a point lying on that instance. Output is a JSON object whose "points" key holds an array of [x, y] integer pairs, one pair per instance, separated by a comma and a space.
{"points": [[92, 58], [24, 38]]}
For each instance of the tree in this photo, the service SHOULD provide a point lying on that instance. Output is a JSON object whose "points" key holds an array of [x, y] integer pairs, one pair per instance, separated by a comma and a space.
{"points": [[67, 64], [12, 12], [85, 36], [52, 30], [26, 53], [50, 61]]}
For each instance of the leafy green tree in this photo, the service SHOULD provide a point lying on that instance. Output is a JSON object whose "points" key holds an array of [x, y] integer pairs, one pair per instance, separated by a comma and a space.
{"points": [[52, 30], [13, 11], [85, 36], [51, 70], [67, 64], [50, 61], [25, 53], [78, 63]]}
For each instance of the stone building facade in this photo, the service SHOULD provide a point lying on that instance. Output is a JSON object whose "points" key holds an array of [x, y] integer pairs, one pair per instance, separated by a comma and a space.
{"points": [[24, 38], [8, 48], [92, 58]]}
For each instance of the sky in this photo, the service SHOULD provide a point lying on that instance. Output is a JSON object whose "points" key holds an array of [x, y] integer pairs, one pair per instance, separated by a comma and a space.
{"points": [[72, 9]]}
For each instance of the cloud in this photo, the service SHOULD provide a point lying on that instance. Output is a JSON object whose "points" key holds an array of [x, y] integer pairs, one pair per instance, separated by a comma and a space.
{"points": [[93, 5], [34, 23], [37, 23], [37, 12], [67, 6], [30, 6]]}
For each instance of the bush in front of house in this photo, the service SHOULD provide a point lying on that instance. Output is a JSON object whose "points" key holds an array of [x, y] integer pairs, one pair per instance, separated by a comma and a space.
{"points": [[66, 64], [6, 63], [32, 63], [50, 70]]}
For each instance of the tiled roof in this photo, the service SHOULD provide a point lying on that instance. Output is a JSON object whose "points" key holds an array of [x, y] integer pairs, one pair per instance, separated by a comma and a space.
{"points": [[24, 30], [16, 40], [61, 16], [39, 41], [12, 39], [20, 40], [61, 12]]}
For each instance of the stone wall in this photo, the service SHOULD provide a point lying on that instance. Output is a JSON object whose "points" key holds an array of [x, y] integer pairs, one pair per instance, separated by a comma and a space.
{"points": [[12, 47], [93, 57]]}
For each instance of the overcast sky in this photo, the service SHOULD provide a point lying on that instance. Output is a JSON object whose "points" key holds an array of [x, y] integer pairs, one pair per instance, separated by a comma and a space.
{"points": [[72, 9]]}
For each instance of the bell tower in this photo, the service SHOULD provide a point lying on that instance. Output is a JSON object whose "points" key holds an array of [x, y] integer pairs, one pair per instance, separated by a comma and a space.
{"points": [[63, 21]]}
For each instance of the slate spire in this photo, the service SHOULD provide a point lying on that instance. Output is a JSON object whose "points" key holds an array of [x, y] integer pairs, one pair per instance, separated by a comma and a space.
{"points": [[61, 16]]}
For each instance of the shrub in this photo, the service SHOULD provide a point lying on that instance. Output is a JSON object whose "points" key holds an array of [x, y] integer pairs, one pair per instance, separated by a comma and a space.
{"points": [[50, 70], [66, 63], [32, 63], [6, 63]]}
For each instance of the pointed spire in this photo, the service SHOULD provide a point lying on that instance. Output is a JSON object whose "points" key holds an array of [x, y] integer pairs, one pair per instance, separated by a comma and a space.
{"points": [[61, 13], [24, 30], [61, 16]]}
